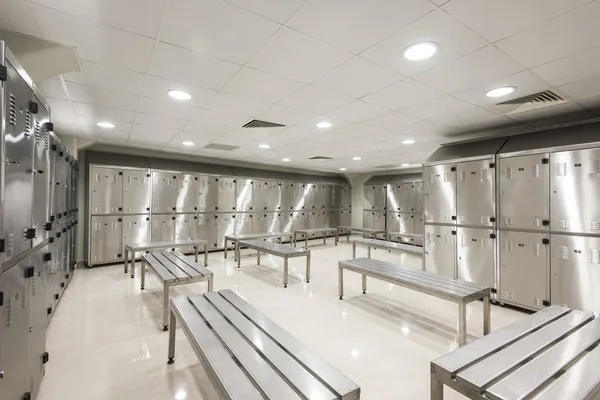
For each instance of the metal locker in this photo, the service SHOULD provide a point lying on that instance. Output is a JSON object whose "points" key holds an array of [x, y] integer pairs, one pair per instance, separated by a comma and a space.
{"points": [[308, 196], [299, 220], [332, 219], [288, 194], [345, 218], [14, 315], [475, 255], [475, 195], [440, 250], [379, 197], [67, 188], [312, 219], [136, 191], [369, 197], [105, 239], [574, 188], [329, 197], [186, 195], [66, 250], [260, 189], [418, 199], [209, 193], [323, 196], [524, 192], [274, 222], [226, 227], [337, 197], [407, 223], [163, 192], [106, 190], [346, 197], [575, 272], [208, 229], [302, 193], [418, 224], [393, 221], [368, 219], [379, 220], [439, 193], [243, 223], [136, 229], [243, 189], [226, 190], [52, 155], [274, 196], [53, 279], [407, 195], [41, 177], [259, 223], [186, 227], [162, 228], [393, 196], [524, 276], [286, 221]]}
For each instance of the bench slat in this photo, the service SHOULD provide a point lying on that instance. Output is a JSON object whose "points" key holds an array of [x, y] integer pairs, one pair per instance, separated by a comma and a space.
{"points": [[381, 244], [315, 230], [172, 268], [302, 380], [202, 270], [258, 235], [181, 263], [140, 246], [273, 248], [162, 272], [328, 375]]}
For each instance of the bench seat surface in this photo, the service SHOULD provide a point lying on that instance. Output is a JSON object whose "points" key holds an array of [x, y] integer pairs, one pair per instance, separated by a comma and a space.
{"points": [[175, 267], [274, 248], [382, 244]]}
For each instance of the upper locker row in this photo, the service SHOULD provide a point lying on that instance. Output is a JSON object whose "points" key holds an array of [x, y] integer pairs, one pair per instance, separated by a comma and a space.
{"points": [[135, 191], [405, 197]]}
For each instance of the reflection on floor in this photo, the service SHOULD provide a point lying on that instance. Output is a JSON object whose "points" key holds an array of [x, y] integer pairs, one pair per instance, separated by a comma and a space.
{"points": [[106, 342]]}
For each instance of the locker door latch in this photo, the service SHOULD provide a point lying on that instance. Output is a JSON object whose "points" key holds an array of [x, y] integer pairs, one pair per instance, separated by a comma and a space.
{"points": [[3, 73], [545, 222], [546, 303], [1, 299], [493, 290], [30, 233], [545, 241], [27, 396], [2, 249], [45, 357], [29, 272]]}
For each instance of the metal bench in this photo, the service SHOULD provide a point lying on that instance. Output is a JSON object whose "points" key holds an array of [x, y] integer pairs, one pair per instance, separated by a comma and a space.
{"points": [[173, 269], [414, 237], [277, 249], [132, 248], [550, 355], [315, 231], [247, 356], [235, 238], [381, 244], [347, 230], [454, 290]]}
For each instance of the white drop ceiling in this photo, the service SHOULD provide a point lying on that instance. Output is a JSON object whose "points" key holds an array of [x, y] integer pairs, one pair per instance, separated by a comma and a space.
{"points": [[298, 62]]}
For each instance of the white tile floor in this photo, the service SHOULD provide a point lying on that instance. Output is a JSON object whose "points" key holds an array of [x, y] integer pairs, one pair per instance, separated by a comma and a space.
{"points": [[105, 340]]}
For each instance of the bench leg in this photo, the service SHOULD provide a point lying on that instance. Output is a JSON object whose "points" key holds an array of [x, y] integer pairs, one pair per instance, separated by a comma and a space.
{"points": [[225, 249], [486, 316], [210, 285], [368, 251], [437, 389], [353, 250], [341, 282], [166, 307], [257, 257], [364, 284], [308, 268], [236, 252], [126, 252], [324, 238], [285, 272], [172, 333], [337, 236], [206, 255], [462, 323], [196, 253], [142, 274], [348, 236], [306, 241]]}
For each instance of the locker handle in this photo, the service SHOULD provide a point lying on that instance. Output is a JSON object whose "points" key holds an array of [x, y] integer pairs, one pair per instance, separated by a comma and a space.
{"points": [[1, 299]]}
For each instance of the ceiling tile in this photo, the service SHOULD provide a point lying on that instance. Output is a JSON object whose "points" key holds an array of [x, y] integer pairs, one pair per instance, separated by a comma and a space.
{"points": [[583, 89], [357, 111], [284, 115], [391, 120], [159, 121], [107, 137], [52, 88], [259, 85], [563, 36], [355, 25], [206, 128], [571, 69], [105, 12], [96, 42], [438, 107], [218, 118], [473, 69], [454, 39], [157, 88], [215, 28], [143, 137], [468, 117], [259, 134], [102, 113], [16, 16], [60, 106], [316, 100], [185, 66], [440, 2], [152, 131], [177, 147], [357, 78], [295, 56], [105, 77], [403, 94], [497, 19], [198, 139], [91, 122], [276, 10], [101, 97], [168, 108], [236, 106], [356, 130], [559, 114], [426, 128], [239, 141]]}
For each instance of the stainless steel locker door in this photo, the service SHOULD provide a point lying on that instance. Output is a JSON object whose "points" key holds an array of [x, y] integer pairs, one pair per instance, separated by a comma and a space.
{"points": [[475, 255], [226, 189], [337, 197], [345, 218], [288, 194], [36, 346], [440, 250], [368, 219], [186, 227], [208, 229], [243, 190], [407, 224], [259, 223], [301, 191], [309, 196], [208, 193], [329, 197], [407, 196], [286, 221], [379, 220], [346, 197], [379, 197], [106, 239], [393, 197], [369, 197], [393, 221], [574, 188], [575, 272], [274, 222], [524, 192], [163, 192], [418, 200], [136, 229], [136, 191], [14, 315], [52, 166], [299, 220], [419, 224], [41, 177], [243, 223], [475, 195], [226, 226], [439, 192], [186, 196], [106, 195], [274, 196], [163, 228], [312, 219], [524, 269], [260, 189]]}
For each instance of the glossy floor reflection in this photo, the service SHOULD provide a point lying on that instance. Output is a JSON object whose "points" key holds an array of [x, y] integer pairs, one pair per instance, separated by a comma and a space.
{"points": [[105, 340]]}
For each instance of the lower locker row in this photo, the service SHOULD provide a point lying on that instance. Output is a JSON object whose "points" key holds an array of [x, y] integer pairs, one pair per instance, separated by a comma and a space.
{"points": [[110, 233], [29, 294], [393, 221], [535, 269]]}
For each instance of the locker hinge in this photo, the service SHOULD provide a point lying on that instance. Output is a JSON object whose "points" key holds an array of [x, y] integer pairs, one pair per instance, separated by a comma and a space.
{"points": [[66, 276], [120, 255], [3, 73], [120, 173], [492, 219], [56, 296], [57, 234], [453, 218], [120, 209], [47, 256], [33, 107], [492, 165], [54, 148], [492, 236], [62, 285], [49, 310], [119, 220], [51, 240], [545, 222], [27, 396], [173, 218], [453, 169], [546, 303], [2, 246], [454, 232], [45, 357], [147, 219], [52, 218], [30, 233], [29, 272], [50, 128], [493, 290], [545, 161], [60, 154], [1, 299], [48, 226], [545, 241]]}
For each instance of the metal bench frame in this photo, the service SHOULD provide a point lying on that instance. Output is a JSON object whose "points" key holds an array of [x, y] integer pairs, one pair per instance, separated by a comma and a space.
{"points": [[234, 239], [381, 244], [454, 290], [133, 248], [307, 232], [350, 229]]}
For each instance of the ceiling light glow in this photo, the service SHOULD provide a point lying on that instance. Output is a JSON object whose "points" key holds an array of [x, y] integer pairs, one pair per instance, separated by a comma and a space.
{"points": [[501, 91], [324, 125], [264, 146], [188, 143], [343, 169], [357, 158], [420, 51], [408, 141], [286, 160], [179, 95], [405, 165], [106, 125]]}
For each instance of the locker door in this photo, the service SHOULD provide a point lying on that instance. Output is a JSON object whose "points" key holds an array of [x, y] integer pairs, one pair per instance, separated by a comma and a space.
{"points": [[475, 255], [259, 223], [475, 196], [440, 250], [418, 199], [287, 196], [136, 191], [274, 196], [163, 228], [208, 229], [136, 229], [243, 223], [407, 193], [243, 189], [286, 222], [439, 193], [309, 196], [368, 219], [106, 190], [379, 197], [393, 200], [106, 239], [369, 197], [41, 176], [163, 192], [346, 197], [186, 197], [259, 194], [345, 218], [209, 194], [226, 226], [186, 227], [303, 196], [226, 194], [379, 220], [337, 197], [393, 221], [274, 222]]}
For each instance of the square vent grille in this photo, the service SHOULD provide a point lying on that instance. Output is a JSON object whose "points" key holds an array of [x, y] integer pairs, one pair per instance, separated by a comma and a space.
{"points": [[321, 158], [529, 103], [257, 123], [217, 146]]}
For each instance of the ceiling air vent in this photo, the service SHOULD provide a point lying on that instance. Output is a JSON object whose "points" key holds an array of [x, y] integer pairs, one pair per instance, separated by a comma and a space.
{"points": [[257, 123], [217, 146], [321, 158], [530, 103], [392, 166]]}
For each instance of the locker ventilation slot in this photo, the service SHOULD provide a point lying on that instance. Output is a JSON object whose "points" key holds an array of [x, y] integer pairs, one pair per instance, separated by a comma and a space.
{"points": [[563, 253], [535, 171], [595, 167], [562, 224], [27, 121], [534, 101], [223, 147], [536, 250], [257, 123], [595, 256], [537, 222], [595, 226], [13, 110], [561, 169]]}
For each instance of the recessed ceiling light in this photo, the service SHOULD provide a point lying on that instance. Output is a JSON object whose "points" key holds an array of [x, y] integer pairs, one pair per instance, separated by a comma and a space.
{"points": [[421, 51], [188, 143], [357, 158], [264, 146], [408, 141], [405, 165], [501, 91], [343, 169], [179, 95], [324, 125], [106, 125], [286, 160]]}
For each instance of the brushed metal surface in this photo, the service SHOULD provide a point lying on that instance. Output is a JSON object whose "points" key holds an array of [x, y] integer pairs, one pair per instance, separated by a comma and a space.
{"points": [[439, 192], [208, 193], [475, 193], [288, 194], [208, 229], [226, 227], [163, 192], [345, 218], [260, 193], [440, 250], [186, 194], [574, 188], [300, 220], [259, 223], [274, 221], [524, 192], [136, 191], [379, 197], [475, 255], [393, 221], [226, 201], [368, 219], [346, 202], [243, 192], [394, 200], [186, 228], [418, 197], [136, 228], [162, 228], [286, 221], [53, 156], [306, 197], [106, 234], [106, 189], [369, 197], [379, 220], [273, 202], [575, 272], [407, 223], [41, 174], [524, 268], [243, 223]]}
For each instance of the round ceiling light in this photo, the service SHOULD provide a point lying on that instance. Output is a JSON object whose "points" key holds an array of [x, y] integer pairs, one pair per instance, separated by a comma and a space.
{"points": [[420, 51], [187, 143], [501, 91], [286, 160], [357, 158], [324, 125], [405, 165], [408, 141], [106, 125], [179, 95], [264, 146], [343, 169]]}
